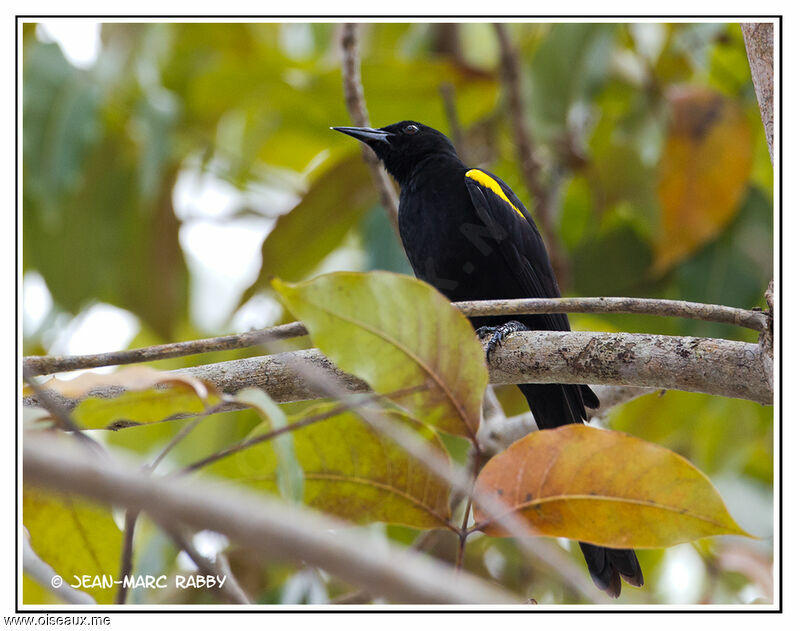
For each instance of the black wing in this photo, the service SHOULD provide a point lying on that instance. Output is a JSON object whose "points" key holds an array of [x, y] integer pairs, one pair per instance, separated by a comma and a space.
{"points": [[525, 254], [520, 243]]}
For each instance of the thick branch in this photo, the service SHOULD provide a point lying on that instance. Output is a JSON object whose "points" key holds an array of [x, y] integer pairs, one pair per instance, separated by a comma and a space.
{"points": [[758, 41], [714, 366], [756, 320], [263, 525], [357, 108]]}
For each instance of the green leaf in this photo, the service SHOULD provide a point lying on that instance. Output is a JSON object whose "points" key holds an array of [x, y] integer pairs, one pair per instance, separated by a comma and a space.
{"points": [[733, 269], [568, 65], [605, 488], [352, 471], [98, 171], [302, 238], [60, 125], [74, 537], [395, 333], [720, 435], [612, 261], [289, 472]]}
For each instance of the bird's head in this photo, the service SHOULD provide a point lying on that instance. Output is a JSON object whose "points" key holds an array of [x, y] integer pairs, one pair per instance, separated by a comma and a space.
{"points": [[403, 145]]}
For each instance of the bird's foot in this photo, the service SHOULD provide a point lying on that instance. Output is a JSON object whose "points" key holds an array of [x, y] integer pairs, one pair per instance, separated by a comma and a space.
{"points": [[498, 333]]}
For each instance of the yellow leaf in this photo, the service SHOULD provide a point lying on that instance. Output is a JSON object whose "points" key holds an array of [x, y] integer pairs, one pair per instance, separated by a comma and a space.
{"points": [[149, 396], [605, 488], [352, 471], [75, 538], [704, 171]]}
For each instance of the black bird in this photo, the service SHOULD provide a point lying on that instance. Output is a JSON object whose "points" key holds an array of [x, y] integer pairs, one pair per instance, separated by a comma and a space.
{"points": [[466, 233]]}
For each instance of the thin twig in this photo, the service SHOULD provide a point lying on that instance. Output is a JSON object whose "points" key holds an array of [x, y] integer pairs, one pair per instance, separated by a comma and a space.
{"points": [[612, 396], [49, 364], [225, 569], [530, 163], [463, 534], [357, 108], [747, 318], [456, 134], [126, 564], [262, 525], [261, 438], [183, 433], [131, 516], [478, 459], [52, 404]]}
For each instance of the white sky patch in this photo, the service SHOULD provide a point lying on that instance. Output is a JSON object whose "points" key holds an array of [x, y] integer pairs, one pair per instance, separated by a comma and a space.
{"points": [[79, 39], [257, 313], [224, 259], [224, 251], [99, 329], [36, 302], [201, 194], [682, 578], [197, 194], [208, 544]]}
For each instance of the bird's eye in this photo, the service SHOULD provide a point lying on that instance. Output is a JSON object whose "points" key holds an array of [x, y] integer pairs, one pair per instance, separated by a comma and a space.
{"points": [[410, 130]]}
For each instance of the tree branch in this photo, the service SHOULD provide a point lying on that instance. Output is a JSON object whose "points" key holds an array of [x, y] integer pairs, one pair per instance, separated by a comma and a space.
{"points": [[751, 319], [126, 560], [712, 366], [357, 108], [263, 525], [758, 41], [49, 364]]}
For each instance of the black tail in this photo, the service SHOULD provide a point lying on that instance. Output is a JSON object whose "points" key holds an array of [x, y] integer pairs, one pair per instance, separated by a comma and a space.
{"points": [[607, 565], [554, 405]]}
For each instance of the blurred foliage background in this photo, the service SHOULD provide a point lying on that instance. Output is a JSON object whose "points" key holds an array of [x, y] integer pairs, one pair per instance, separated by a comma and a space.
{"points": [[167, 177]]}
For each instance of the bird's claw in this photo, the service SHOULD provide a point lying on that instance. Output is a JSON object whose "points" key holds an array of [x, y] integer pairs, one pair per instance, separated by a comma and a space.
{"points": [[498, 334]]}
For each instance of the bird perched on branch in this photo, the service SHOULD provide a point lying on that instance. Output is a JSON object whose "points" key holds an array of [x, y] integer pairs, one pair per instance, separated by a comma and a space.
{"points": [[466, 233]]}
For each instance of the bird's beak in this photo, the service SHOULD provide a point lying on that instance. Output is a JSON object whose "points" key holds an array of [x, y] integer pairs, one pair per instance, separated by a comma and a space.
{"points": [[365, 134]]}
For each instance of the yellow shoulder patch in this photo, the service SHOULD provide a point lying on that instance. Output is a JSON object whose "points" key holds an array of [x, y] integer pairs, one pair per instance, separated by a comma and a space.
{"points": [[489, 182]]}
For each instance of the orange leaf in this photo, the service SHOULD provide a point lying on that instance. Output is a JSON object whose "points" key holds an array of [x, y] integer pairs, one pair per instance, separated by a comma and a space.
{"points": [[704, 170], [604, 487]]}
